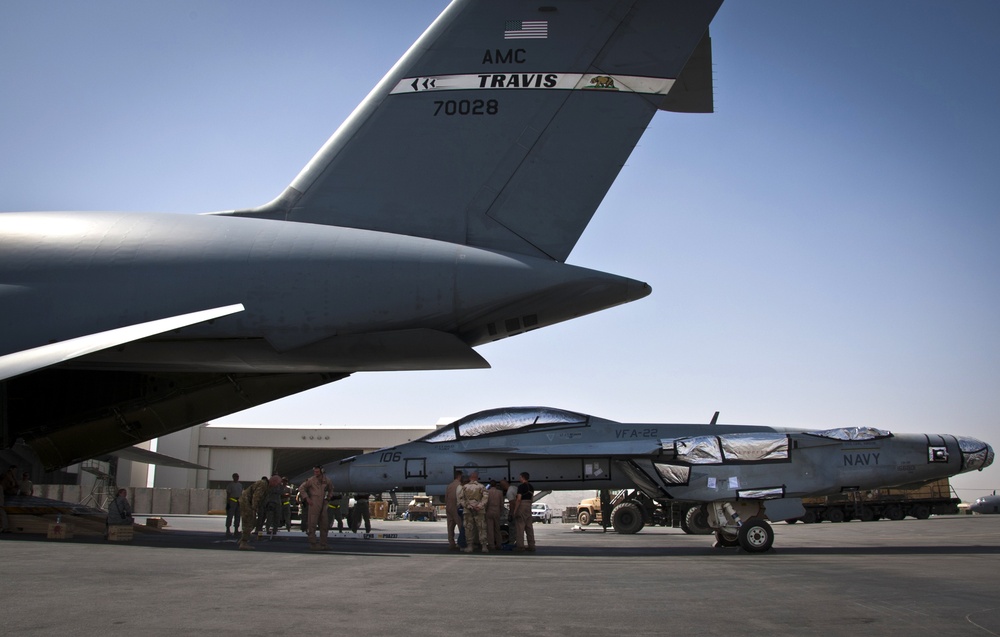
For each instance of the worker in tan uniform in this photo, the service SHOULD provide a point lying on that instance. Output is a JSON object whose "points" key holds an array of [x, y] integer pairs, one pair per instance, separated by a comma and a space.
{"points": [[494, 508], [451, 508], [315, 492], [472, 499], [251, 502]]}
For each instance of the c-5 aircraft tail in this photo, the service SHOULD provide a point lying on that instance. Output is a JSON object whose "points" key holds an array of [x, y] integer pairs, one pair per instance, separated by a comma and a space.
{"points": [[506, 123]]}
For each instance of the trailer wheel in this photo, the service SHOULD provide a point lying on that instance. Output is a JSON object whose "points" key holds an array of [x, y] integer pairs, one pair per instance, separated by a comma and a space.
{"points": [[835, 515], [866, 514], [921, 512], [695, 521], [583, 518], [627, 518], [756, 536], [894, 512]]}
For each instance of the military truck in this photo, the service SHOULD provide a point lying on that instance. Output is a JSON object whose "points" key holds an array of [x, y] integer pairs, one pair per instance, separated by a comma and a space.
{"points": [[632, 509], [933, 498], [421, 508]]}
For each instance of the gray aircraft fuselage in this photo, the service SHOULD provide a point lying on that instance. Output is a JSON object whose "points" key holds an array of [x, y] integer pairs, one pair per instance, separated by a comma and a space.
{"points": [[986, 505], [687, 462], [71, 274]]}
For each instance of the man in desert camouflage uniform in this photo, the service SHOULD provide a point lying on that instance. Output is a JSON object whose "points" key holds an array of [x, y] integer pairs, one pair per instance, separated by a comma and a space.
{"points": [[251, 503], [473, 497]]}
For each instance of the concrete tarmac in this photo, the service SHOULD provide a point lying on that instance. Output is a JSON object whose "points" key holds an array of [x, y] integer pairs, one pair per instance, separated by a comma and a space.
{"points": [[913, 577]]}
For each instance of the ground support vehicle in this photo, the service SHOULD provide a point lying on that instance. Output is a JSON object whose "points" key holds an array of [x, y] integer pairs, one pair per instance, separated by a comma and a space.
{"points": [[933, 498], [421, 508]]}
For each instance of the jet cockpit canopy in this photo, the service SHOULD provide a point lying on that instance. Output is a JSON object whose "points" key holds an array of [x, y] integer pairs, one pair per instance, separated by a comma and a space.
{"points": [[508, 419]]}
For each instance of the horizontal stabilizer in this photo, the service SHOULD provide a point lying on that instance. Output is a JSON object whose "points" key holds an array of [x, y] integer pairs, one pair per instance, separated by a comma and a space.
{"points": [[36, 358], [137, 454]]}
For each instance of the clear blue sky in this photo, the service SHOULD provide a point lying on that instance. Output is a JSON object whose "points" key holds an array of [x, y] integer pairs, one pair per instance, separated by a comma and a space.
{"points": [[824, 250]]}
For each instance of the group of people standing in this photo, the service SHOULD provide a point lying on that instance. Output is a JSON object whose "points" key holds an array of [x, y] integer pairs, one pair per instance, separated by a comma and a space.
{"points": [[265, 506], [478, 509], [10, 485]]}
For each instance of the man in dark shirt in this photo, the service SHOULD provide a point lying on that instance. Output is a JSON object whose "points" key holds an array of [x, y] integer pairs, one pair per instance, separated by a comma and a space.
{"points": [[360, 512], [523, 523]]}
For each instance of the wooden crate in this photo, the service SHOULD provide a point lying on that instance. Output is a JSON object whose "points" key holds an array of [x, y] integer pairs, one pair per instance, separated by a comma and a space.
{"points": [[59, 531], [120, 533]]}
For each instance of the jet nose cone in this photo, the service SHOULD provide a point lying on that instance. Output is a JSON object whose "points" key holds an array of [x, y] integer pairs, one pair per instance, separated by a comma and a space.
{"points": [[976, 454], [339, 474]]}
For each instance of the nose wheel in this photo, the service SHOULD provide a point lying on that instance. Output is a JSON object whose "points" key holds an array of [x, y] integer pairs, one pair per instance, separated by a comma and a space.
{"points": [[755, 536]]}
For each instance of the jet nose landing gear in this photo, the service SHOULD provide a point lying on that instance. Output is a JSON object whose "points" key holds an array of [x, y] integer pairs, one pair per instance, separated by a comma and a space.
{"points": [[755, 536]]}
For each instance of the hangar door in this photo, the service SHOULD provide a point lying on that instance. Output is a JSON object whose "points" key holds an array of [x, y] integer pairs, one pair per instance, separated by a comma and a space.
{"points": [[250, 463]]}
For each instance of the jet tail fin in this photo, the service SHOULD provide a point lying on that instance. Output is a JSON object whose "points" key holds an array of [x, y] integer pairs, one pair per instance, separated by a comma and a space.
{"points": [[506, 123]]}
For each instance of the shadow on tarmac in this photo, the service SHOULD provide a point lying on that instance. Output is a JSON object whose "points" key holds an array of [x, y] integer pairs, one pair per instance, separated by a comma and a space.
{"points": [[653, 546]]}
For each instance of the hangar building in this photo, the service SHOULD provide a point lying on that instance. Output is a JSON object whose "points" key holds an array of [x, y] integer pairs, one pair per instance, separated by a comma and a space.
{"points": [[256, 451]]}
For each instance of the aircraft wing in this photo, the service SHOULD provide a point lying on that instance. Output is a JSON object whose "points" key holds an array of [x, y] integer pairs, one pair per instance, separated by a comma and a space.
{"points": [[30, 360]]}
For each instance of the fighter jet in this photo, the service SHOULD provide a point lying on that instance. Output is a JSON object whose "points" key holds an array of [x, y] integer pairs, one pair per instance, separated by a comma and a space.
{"points": [[741, 475], [986, 504], [437, 218]]}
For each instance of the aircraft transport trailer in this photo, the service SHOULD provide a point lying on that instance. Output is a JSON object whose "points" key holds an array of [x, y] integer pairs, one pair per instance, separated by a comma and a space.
{"points": [[631, 510], [892, 504]]}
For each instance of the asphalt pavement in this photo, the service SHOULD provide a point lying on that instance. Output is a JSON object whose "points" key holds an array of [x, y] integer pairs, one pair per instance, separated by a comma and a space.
{"points": [[913, 577]]}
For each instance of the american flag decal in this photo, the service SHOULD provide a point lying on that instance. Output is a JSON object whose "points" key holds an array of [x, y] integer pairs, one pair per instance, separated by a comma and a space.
{"points": [[526, 30]]}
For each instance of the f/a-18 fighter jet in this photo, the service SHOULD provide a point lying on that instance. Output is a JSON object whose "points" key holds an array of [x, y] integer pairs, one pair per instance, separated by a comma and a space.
{"points": [[742, 475]]}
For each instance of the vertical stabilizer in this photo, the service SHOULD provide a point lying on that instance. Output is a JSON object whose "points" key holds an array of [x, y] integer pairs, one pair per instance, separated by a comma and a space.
{"points": [[506, 123]]}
